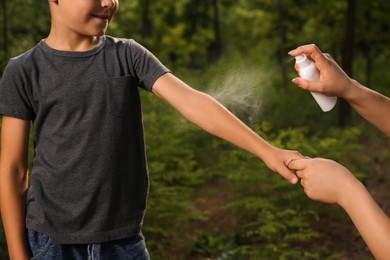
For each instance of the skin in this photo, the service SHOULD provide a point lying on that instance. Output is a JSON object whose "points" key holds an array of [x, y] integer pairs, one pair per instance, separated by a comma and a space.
{"points": [[335, 82], [326, 180], [76, 24], [13, 183], [205, 112]]}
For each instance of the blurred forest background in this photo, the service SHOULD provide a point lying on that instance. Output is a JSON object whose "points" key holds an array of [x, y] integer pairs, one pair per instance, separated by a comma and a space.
{"points": [[209, 200]]}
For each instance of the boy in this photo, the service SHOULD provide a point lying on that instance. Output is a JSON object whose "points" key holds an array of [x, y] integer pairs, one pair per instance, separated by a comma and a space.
{"points": [[89, 179]]}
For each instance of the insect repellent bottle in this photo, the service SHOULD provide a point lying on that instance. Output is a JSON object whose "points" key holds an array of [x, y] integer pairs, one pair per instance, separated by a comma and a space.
{"points": [[308, 71]]}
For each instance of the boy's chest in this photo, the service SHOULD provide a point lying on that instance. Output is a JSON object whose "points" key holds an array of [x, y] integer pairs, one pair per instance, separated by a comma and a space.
{"points": [[82, 89], [70, 90]]}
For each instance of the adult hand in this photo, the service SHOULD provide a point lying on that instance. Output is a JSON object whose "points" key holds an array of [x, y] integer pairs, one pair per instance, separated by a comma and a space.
{"points": [[333, 81], [324, 180]]}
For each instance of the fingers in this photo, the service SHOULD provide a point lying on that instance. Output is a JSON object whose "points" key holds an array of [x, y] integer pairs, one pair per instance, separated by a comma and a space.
{"points": [[307, 84], [288, 175], [309, 49], [313, 52], [298, 164], [320, 60]]}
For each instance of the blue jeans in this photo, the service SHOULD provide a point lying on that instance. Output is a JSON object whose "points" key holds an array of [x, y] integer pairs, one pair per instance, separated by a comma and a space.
{"points": [[41, 247]]}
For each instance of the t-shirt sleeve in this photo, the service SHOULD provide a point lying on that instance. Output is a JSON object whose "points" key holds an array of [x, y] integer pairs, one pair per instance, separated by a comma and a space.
{"points": [[14, 97], [147, 68]]}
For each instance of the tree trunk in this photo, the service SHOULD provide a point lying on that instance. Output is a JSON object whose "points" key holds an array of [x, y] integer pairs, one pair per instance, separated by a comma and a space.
{"points": [[4, 55], [369, 64], [5, 28], [282, 43], [146, 30], [215, 48], [367, 47], [347, 60]]}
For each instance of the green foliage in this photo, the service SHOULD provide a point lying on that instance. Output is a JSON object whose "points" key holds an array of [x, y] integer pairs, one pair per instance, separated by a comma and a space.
{"points": [[275, 217], [272, 219], [173, 174]]}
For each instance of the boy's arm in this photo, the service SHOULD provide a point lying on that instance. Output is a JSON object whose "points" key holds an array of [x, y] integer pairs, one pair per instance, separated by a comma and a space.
{"points": [[371, 105], [327, 181], [205, 112], [14, 183]]}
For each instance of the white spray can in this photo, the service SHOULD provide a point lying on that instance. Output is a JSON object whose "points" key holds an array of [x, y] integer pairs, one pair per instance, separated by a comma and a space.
{"points": [[308, 71]]}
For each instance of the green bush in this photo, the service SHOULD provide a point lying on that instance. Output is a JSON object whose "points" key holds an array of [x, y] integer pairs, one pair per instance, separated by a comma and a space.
{"points": [[275, 217]]}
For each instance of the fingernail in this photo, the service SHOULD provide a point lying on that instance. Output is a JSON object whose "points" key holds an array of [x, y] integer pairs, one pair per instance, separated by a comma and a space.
{"points": [[296, 81], [290, 52], [294, 180]]}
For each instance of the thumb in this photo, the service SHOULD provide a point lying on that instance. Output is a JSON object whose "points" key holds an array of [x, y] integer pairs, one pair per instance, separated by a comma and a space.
{"points": [[308, 85], [288, 175], [298, 165]]}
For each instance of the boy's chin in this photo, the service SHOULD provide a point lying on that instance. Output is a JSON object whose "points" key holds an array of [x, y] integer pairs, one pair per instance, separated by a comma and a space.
{"points": [[97, 34]]}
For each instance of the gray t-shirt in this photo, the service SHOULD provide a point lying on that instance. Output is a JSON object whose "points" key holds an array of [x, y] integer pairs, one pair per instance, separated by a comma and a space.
{"points": [[89, 179]]}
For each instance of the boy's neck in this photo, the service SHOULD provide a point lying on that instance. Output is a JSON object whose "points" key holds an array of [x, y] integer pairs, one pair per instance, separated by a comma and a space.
{"points": [[78, 43]]}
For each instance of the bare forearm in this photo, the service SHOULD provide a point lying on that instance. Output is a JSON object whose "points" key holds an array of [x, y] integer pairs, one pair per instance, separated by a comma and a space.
{"points": [[12, 203], [372, 223], [212, 117], [205, 112], [13, 183], [218, 121], [371, 105]]}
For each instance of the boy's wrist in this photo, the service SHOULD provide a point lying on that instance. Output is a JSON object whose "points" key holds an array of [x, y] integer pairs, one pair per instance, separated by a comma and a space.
{"points": [[264, 151]]}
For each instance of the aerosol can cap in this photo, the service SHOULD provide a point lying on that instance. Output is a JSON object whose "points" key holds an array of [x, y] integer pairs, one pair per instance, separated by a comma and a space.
{"points": [[302, 61]]}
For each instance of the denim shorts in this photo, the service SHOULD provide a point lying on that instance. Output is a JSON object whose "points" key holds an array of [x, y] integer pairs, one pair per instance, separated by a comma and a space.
{"points": [[42, 247]]}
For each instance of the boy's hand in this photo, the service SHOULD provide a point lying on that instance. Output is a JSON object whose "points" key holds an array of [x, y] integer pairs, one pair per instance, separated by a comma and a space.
{"points": [[278, 160]]}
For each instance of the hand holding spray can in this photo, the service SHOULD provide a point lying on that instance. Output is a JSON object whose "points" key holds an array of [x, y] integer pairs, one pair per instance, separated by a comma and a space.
{"points": [[308, 71]]}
